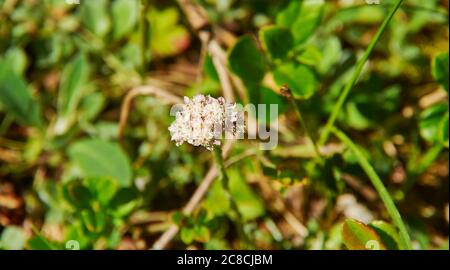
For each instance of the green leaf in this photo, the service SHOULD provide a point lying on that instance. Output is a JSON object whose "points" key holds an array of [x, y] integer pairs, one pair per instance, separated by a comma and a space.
{"points": [[102, 189], [125, 15], [124, 202], [94, 222], [331, 50], [168, 36], [246, 61], [355, 118], [216, 201], [249, 204], [311, 56], [388, 234], [434, 122], [311, 12], [358, 236], [443, 130], [440, 69], [210, 69], [91, 105], [289, 15], [71, 90], [77, 194], [187, 235], [17, 56], [276, 40], [16, 98], [300, 79], [202, 234], [94, 16], [39, 242], [13, 238], [99, 158]]}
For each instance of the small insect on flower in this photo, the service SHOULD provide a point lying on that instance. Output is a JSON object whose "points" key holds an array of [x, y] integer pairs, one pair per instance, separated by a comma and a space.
{"points": [[201, 120]]}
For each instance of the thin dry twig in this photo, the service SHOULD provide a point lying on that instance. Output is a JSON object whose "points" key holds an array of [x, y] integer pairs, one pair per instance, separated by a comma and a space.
{"points": [[271, 196], [217, 55], [163, 95]]}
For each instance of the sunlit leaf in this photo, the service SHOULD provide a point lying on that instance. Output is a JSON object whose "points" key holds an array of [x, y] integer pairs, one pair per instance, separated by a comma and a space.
{"points": [[246, 61], [433, 122], [440, 69], [168, 36], [307, 21], [99, 158], [124, 17], [16, 98], [358, 236], [71, 90], [300, 79], [94, 15], [388, 234], [277, 41]]}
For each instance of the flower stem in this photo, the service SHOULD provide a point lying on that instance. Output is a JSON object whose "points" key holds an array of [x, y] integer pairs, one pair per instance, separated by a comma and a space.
{"points": [[226, 187], [340, 102], [381, 189]]}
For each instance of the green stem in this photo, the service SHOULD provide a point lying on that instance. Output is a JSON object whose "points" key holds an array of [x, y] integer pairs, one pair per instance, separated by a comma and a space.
{"points": [[359, 67], [381, 189], [144, 31], [226, 186]]}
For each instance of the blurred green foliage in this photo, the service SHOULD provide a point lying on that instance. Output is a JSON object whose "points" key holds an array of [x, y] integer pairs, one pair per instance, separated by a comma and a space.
{"points": [[64, 175]]}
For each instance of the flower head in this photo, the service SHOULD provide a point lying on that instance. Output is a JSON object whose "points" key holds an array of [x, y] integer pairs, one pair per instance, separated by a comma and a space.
{"points": [[201, 120]]}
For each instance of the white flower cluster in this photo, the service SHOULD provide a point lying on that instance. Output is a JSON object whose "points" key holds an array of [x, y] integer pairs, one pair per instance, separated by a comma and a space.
{"points": [[201, 120]]}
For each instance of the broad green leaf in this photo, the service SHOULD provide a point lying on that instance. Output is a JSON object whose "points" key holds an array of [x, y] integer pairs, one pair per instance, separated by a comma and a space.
{"points": [[433, 122], [91, 105], [18, 58], [94, 222], [331, 54], [16, 98], [99, 158], [358, 236], [13, 238], [289, 14], [216, 201], [94, 16], [187, 235], [276, 40], [168, 36], [102, 189], [311, 56], [307, 21], [202, 234], [210, 69], [354, 117], [39, 242], [388, 234], [300, 79], [246, 61], [71, 90], [248, 203], [262, 95], [124, 202], [440, 69], [77, 194], [125, 15]]}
